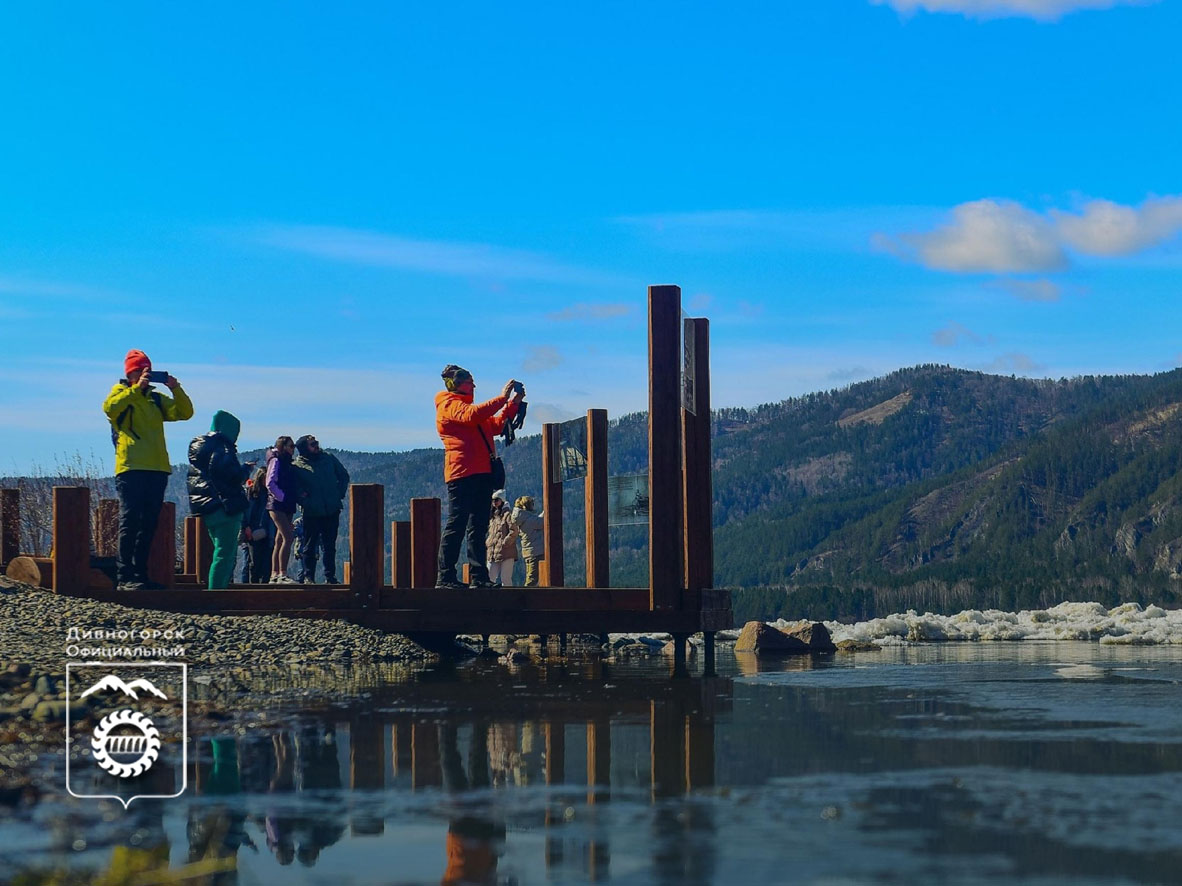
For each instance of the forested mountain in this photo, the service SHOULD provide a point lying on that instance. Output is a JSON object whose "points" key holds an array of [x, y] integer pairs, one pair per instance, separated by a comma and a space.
{"points": [[930, 487]]}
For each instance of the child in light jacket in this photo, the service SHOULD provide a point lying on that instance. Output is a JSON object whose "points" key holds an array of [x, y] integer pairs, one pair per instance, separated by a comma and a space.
{"points": [[533, 543]]}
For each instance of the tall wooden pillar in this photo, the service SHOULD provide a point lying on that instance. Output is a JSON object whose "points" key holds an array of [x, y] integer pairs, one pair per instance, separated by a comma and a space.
{"points": [[697, 486], [10, 525], [106, 528], [552, 571], [426, 517], [664, 447], [71, 538], [596, 504], [599, 760], [162, 556], [367, 550], [189, 562], [400, 554], [203, 559]]}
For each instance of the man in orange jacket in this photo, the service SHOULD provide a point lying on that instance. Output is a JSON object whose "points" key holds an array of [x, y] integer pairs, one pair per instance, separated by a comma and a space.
{"points": [[468, 432]]}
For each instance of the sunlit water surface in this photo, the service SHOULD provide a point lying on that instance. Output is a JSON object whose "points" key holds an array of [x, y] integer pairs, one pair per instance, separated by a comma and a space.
{"points": [[957, 763]]}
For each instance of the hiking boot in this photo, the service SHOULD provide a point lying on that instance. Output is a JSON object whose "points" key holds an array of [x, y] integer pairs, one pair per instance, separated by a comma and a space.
{"points": [[482, 583], [130, 586], [449, 586]]}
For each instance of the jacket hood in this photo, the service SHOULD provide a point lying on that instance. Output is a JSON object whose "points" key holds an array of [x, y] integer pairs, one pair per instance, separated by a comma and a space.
{"points": [[452, 395], [226, 424], [272, 453]]}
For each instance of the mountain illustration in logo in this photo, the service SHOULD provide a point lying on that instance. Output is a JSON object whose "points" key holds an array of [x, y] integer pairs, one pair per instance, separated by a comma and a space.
{"points": [[112, 682]]}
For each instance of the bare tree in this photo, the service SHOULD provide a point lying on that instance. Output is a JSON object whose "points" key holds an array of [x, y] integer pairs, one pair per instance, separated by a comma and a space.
{"points": [[36, 489]]}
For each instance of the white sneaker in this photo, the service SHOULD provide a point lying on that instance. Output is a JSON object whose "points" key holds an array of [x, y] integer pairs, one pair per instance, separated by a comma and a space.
{"points": [[284, 580]]}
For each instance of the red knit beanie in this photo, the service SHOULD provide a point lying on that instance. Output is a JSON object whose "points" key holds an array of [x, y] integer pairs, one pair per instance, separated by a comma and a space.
{"points": [[135, 360]]}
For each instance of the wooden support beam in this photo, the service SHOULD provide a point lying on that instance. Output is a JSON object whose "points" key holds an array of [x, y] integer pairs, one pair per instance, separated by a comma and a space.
{"points": [[699, 752], [664, 447], [367, 550], [596, 500], [203, 558], [106, 528], [697, 484], [10, 525], [162, 556], [426, 522], [667, 747], [400, 554], [367, 758], [189, 563], [71, 538], [555, 751], [425, 770], [400, 753], [552, 573]]}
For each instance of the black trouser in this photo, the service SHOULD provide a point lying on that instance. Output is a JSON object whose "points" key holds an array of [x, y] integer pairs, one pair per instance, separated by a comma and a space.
{"points": [[141, 493], [469, 502], [321, 532], [258, 560]]}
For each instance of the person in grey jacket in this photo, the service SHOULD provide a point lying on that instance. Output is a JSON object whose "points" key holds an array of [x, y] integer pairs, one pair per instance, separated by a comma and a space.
{"points": [[324, 482], [533, 543]]}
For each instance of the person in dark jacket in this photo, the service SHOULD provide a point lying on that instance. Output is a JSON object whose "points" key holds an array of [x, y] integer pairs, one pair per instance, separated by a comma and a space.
{"points": [[216, 494], [258, 537], [324, 483], [282, 497]]}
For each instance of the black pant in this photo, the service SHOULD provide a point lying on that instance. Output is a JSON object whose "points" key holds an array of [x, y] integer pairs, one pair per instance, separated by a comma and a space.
{"points": [[469, 502], [258, 560], [141, 493], [321, 532]]}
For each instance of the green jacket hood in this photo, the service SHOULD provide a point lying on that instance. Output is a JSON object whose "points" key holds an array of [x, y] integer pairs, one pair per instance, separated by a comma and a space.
{"points": [[226, 424]]}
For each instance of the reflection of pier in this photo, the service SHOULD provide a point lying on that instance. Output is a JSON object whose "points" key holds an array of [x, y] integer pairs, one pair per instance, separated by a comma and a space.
{"points": [[582, 727], [679, 599]]}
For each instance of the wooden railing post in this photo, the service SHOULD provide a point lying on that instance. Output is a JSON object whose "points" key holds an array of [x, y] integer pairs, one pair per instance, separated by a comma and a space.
{"points": [[162, 556], [10, 526], [106, 528], [552, 572], [367, 551], [426, 521], [599, 759], [71, 539], [400, 554], [203, 552], [598, 573], [189, 566], [697, 487], [664, 447]]}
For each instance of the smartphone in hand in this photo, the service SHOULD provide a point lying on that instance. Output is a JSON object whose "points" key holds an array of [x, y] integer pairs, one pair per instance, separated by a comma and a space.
{"points": [[158, 377]]}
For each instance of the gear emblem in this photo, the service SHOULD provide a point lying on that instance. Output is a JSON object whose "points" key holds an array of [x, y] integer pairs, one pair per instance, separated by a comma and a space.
{"points": [[138, 749]]}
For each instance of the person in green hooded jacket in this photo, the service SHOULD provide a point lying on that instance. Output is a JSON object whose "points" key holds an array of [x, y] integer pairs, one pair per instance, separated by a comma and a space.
{"points": [[216, 492]]}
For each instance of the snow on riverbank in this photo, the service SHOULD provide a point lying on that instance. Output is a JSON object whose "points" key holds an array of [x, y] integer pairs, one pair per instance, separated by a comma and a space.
{"points": [[1128, 623]]}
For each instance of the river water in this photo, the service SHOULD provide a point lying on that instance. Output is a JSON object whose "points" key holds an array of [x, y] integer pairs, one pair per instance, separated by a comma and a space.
{"points": [[1031, 762]]}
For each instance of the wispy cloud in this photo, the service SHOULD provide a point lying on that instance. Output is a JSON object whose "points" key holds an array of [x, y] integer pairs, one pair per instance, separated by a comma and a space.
{"points": [[1106, 228], [26, 286], [586, 311], [540, 358], [955, 334], [1031, 290], [1015, 364], [1041, 10], [478, 260]]}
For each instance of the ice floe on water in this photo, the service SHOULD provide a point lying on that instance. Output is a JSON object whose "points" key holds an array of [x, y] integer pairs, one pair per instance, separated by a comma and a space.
{"points": [[1129, 623]]}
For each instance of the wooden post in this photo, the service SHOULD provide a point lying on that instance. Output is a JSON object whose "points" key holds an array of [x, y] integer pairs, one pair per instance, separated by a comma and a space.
{"points": [[106, 528], [162, 556], [367, 760], [596, 500], [10, 526], [71, 538], [555, 751], [664, 447], [203, 558], [667, 747], [697, 486], [426, 519], [189, 564], [424, 756], [366, 549], [400, 554], [552, 573], [699, 752]]}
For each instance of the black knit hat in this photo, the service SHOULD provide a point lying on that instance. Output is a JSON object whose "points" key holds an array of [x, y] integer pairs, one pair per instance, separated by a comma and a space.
{"points": [[453, 376]]}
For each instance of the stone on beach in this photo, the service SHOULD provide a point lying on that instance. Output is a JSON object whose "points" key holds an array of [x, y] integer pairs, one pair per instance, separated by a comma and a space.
{"points": [[763, 639]]}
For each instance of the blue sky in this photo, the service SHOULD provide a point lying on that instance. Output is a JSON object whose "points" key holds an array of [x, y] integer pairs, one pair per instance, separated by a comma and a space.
{"points": [[304, 212]]}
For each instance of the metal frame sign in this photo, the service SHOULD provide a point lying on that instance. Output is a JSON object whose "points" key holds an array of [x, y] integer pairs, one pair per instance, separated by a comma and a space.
{"points": [[570, 455], [627, 499], [688, 364]]}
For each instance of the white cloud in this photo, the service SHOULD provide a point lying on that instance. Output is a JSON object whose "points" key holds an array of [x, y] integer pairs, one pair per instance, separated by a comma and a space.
{"points": [[541, 358], [996, 236], [480, 260], [1014, 364], [1107, 228], [1042, 10], [954, 334], [585, 311], [1031, 290]]}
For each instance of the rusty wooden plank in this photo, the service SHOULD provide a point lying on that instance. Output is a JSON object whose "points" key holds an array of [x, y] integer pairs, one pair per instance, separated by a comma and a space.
{"points": [[599, 759], [10, 525], [257, 600], [426, 522], [596, 500], [162, 557], [555, 733], [400, 574], [203, 559], [697, 484], [552, 571], [518, 599], [367, 550], [664, 447], [71, 538], [106, 528], [189, 565]]}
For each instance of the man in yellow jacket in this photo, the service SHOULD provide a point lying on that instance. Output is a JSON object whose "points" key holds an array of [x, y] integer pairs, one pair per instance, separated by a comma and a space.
{"points": [[137, 413]]}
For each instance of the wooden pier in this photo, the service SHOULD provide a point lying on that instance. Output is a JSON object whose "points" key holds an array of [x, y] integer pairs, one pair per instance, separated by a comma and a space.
{"points": [[679, 599]]}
